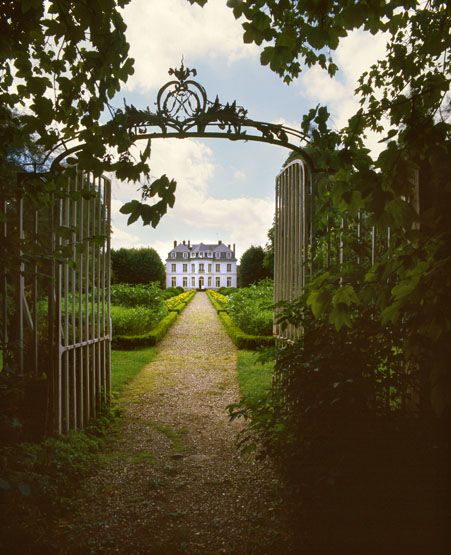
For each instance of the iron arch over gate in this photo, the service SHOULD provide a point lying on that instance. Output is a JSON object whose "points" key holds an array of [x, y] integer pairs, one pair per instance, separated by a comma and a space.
{"points": [[183, 110]]}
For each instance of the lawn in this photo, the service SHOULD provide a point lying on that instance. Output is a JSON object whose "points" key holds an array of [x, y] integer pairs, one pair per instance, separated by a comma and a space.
{"points": [[126, 364], [254, 378]]}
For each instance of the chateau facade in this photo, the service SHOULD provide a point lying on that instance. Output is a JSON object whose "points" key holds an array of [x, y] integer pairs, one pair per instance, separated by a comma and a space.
{"points": [[201, 266]]}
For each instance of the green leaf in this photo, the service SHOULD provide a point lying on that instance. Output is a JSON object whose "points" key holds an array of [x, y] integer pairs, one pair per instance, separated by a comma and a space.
{"points": [[345, 295], [130, 207]]}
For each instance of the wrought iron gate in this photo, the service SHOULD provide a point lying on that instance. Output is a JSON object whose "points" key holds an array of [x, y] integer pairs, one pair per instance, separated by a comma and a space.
{"points": [[56, 325], [292, 238]]}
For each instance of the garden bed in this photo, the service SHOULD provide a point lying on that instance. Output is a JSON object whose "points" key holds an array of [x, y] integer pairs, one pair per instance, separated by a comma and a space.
{"points": [[242, 339], [168, 311]]}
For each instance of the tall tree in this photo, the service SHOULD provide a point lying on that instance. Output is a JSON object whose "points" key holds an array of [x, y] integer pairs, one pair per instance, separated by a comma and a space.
{"points": [[137, 266], [252, 269], [268, 260]]}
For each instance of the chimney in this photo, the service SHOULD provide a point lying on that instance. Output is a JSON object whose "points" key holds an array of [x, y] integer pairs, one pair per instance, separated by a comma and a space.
{"points": [[189, 243], [229, 247], [175, 244], [184, 242], [219, 241], [233, 249]]}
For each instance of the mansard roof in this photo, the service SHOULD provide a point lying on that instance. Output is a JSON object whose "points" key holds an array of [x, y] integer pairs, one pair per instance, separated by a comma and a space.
{"points": [[197, 248]]}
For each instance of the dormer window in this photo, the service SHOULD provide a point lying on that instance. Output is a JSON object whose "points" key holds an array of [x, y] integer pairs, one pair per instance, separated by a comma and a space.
{"points": [[185, 255], [217, 255], [208, 254], [229, 255], [173, 254], [201, 254], [193, 254]]}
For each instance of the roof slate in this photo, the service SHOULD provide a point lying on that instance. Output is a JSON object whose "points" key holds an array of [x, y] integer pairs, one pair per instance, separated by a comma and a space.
{"points": [[201, 247]]}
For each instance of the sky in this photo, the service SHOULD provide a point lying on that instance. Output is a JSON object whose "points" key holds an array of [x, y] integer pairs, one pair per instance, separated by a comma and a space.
{"points": [[225, 190]]}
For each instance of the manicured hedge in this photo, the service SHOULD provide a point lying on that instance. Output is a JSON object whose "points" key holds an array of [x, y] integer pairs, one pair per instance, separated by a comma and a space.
{"points": [[157, 333], [147, 339], [218, 301], [178, 303], [241, 339]]}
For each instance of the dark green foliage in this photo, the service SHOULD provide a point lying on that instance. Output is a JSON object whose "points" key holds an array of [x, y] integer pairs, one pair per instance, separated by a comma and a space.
{"points": [[67, 87], [328, 384], [268, 260], [135, 320], [37, 484], [251, 308], [252, 269], [171, 292], [136, 308], [153, 336], [133, 266], [226, 291], [149, 295], [151, 214]]}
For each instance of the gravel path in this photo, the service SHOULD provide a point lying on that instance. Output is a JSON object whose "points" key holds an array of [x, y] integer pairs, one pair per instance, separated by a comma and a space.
{"points": [[171, 480]]}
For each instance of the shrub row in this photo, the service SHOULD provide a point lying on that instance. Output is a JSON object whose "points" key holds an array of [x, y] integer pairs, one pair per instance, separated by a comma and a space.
{"points": [[218, 301], [152, 337], [178, 303], [170, 292], [251, 308], [227, 290], [148, 295], [133, 320], [241, 339]]}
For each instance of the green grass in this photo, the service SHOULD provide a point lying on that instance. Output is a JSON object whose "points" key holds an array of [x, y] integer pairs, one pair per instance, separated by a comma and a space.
{"points": [[126, 364], [254, 378]]}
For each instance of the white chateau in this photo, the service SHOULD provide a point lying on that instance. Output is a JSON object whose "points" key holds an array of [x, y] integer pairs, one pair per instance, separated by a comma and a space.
{"points": [[201, 266]]}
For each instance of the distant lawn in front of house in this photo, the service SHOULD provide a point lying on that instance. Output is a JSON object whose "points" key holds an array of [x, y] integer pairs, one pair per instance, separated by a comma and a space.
{"points": [[126, 364]]}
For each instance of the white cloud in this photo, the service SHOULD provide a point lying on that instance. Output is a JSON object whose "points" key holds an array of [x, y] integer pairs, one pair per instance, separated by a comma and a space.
{"points": [[121, 238], [160, 32], [196, 215], [356, 53]]}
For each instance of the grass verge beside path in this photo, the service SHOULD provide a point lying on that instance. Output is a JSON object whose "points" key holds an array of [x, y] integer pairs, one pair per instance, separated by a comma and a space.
{"points": [[126, 364], [254, 378]]}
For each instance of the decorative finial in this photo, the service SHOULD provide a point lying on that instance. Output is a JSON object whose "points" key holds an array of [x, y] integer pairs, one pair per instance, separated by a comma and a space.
{"points": [[182, 73]]}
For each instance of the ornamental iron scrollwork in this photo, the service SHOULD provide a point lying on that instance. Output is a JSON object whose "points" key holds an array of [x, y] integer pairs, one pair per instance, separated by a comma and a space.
{"points": [[183, 110]]}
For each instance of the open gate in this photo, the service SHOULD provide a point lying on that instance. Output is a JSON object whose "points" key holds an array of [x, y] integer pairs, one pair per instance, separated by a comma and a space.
{"points": [[292, 238], [56, 325]]}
